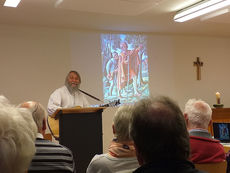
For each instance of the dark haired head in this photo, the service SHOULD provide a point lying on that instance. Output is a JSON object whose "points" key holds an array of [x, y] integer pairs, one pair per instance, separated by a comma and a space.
{"points": [[159, 131]]}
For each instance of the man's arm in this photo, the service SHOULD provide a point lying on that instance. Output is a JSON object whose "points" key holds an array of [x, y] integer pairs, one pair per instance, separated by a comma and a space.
{"points": [[54, 102]]}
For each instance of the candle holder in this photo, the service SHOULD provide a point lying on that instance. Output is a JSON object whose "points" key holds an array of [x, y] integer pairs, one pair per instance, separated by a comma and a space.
{"points": [[218, 105]]}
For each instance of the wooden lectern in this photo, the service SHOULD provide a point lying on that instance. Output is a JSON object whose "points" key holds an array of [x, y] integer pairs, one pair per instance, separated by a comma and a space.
{"points": [[80, 129]]}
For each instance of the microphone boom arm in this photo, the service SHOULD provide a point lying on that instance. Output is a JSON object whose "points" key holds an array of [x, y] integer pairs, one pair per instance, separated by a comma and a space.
{"points": [[90, 95]]}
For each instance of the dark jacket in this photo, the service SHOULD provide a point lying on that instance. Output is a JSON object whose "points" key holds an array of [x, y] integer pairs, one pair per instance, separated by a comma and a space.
{"points": [[170, 166]]}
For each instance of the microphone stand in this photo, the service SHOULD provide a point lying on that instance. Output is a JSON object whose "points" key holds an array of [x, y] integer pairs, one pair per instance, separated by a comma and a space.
{"points": [[90, 95]]}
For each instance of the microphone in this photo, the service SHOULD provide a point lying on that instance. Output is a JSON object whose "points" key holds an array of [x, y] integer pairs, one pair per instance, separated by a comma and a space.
{"points": [[90, 95]]}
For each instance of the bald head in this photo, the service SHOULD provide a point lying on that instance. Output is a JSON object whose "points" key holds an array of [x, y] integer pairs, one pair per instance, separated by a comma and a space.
{"points": [[38, 112], [28, 104]]}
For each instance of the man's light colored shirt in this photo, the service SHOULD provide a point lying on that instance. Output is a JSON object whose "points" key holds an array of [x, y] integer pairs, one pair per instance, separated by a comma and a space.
{"points": [[62, 98], [104, 163]]}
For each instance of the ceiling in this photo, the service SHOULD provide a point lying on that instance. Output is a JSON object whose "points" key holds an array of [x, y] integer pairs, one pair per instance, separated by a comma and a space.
{"points": [[151, 16]]}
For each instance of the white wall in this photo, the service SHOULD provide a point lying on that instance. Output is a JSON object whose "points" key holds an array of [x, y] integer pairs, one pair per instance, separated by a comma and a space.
{"points": [[214, 53], [35, 61]]}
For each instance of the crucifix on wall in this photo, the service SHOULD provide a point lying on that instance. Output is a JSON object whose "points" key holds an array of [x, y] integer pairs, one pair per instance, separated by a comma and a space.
{"points": [[198, 65]]}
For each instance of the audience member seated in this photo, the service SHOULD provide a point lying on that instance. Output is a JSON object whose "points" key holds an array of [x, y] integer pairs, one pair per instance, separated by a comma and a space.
{"points": [[49, 157], [160, 137], [204, 149], [121, 156], [17, 138]]}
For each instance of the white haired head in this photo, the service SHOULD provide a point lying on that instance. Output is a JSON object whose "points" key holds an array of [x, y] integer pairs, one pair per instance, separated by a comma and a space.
{"points": [[121, 121], [198, 114], [17, 138], [4, 100]]}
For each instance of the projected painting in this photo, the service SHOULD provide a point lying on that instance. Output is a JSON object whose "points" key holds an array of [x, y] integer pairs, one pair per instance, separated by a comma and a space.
{"points": [[125, 67]]}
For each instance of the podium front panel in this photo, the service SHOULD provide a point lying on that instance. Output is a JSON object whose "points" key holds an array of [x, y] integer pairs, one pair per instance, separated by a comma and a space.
{"points": [[82, 134]]}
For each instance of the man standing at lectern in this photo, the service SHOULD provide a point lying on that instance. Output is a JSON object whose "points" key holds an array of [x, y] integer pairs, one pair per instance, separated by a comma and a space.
{"points": [[68, 95]]}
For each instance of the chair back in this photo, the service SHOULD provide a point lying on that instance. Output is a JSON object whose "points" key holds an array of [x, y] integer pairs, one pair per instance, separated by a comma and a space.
{"points": [[220, 167]]}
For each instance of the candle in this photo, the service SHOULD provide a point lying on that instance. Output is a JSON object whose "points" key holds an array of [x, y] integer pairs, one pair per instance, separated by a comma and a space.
{"points": [[218, 97]]}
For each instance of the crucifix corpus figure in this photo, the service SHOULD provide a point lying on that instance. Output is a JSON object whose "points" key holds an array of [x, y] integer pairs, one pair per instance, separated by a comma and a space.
{"points": [[198, 65]]}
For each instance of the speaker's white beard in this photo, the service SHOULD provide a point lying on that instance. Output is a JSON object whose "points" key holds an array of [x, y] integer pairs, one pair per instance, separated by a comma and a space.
{"points": [[71, 89]]}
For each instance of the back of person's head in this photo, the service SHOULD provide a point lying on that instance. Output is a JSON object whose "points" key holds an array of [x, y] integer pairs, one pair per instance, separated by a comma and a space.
{"points": [[39, 113], [17, 138], [198, 114], [121, 122], [159, 131]]}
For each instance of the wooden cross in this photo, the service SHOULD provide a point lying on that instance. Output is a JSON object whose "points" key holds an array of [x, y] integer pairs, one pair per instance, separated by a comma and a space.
{"points": [[198, 65]]}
